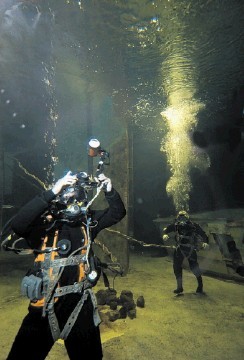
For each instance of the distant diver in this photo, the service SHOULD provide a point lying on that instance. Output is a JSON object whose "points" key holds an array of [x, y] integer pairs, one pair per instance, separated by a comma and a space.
{"points": [[189, 237]]}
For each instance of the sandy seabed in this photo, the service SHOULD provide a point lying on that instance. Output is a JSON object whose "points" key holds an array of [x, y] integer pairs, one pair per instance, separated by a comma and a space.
{"points": [[169, 327]]}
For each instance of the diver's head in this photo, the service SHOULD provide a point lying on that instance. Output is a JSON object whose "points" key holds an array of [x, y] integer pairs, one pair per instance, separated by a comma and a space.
{"points": [[71, 203], [182, 217]]}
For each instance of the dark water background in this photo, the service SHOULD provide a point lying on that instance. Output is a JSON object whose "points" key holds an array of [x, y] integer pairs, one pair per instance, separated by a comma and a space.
{"points": [[113, 65], [73, 69]]}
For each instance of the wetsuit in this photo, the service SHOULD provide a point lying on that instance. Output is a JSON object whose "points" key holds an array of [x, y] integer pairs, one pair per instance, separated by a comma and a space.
{"points": [[188, 237], [34, 339]]}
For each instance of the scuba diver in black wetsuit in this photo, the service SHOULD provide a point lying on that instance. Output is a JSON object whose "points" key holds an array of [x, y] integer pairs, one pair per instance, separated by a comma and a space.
{"points": [[60, 228], [189, 237]]}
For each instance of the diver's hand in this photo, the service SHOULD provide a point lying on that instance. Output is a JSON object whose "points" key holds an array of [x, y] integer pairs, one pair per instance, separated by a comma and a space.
{"points": [[68, 179], [205, 246], [107, 184], [165, 237]]}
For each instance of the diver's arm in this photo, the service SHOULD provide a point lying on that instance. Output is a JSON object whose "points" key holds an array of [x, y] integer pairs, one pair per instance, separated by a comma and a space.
{"points": [[202, 233], [29, 215], [167, 230], [67, 180], [116, 209], [111, 215]]}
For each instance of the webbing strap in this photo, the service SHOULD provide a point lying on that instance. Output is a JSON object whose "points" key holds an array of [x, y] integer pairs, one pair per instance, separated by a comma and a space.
{"points": [[182, 251], [185, 237], [68, 289], [73, 317], [49, 282], [52, 271], [96, 317], [72, 260], [53, 322]]}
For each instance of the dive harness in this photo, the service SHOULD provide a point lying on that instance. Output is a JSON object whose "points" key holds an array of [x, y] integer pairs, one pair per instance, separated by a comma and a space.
{"points": [[44, 290]]}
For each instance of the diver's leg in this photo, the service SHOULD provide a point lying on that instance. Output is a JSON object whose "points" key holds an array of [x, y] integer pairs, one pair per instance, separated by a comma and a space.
{"points": [[84, 337], [33, 340], [199, 289], [177, 266], [194, 266]]}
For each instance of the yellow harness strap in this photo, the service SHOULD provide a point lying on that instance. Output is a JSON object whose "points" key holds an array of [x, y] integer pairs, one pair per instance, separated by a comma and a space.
{"points": [[82, 266], [54, 254]]}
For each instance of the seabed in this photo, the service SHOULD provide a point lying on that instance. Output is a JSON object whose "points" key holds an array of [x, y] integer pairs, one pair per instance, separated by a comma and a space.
{"points": [[169, 327]]}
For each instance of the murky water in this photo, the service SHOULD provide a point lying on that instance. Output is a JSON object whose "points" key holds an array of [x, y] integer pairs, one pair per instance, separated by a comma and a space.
{"points": [[133, 62], [160, 83]]}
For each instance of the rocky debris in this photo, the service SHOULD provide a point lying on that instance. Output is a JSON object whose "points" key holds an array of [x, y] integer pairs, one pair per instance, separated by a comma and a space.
{"points": [[140, 302], [121, 306]]}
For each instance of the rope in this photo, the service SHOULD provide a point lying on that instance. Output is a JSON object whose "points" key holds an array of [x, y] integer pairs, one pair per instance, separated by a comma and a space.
{"points": [[130, 238], [106, 251]]}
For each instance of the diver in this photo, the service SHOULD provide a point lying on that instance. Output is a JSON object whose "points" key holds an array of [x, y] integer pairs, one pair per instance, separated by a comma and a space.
{"points": [[189, 238], [60, 228]]}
